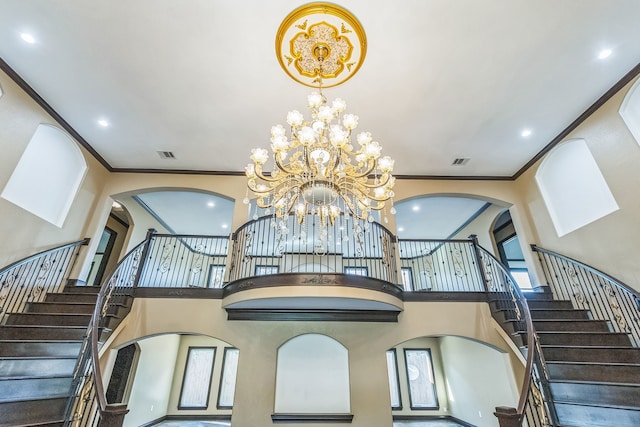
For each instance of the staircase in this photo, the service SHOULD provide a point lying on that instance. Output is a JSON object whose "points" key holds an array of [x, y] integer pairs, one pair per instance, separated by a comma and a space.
{"points": [[38, 352], [594, 374]]}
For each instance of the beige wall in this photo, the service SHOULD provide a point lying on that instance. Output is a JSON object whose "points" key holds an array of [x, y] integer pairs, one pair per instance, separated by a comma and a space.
{"points": [[23, 233], [258, 343], [479, 378], [149, 397], [610, 243]]}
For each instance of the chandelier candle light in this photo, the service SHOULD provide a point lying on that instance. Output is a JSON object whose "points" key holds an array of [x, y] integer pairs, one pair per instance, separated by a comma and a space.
{"points": [[318, 171]]}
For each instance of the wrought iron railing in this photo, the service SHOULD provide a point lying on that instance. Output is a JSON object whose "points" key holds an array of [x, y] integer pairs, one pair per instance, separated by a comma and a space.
{"points": [[88, 402], [30, 279], [590, 289], [184, 261], [509, 307], [440, 265], [268, 246]]}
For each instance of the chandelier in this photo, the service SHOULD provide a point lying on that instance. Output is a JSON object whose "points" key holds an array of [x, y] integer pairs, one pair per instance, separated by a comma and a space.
{"points": [[320, 165], [318, 168]]}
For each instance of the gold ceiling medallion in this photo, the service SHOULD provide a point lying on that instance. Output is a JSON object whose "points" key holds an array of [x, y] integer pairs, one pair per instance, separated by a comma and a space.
{"points": [[330, 48]]}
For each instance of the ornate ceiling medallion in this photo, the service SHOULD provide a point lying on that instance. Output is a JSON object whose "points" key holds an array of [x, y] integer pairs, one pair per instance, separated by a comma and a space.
{"points": [[321, 41]]}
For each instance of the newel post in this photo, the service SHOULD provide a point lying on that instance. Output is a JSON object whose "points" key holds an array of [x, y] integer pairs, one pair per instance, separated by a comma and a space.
{"points": [[113, 416], [143, 256], [476, 251], [508, 417]]}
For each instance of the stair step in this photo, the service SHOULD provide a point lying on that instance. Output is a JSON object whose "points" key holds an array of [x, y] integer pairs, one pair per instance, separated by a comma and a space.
{"points": [[41, 367], [614, 394], [29, 388], [58, 307], [28, 332], [19, 348], [603, 354], [538, 296], [535, 304], [91, 290], [48, 319], [558, 313], [571, 414], [571, 325], [583, 338], [595, 372], [72, 297], [32, 412]]}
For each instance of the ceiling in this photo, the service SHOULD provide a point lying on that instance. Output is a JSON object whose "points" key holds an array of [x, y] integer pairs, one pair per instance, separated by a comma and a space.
{"points": [[189, 212], [436, 217], [441, 79]]}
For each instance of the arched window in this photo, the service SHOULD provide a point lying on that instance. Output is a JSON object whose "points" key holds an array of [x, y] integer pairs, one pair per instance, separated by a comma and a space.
{"points": [[573, 187], [630, 110], [48, 175], [312, 376]]}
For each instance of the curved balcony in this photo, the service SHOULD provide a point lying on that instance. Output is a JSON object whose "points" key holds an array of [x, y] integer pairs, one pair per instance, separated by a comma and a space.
{"points": [[285, 270]]}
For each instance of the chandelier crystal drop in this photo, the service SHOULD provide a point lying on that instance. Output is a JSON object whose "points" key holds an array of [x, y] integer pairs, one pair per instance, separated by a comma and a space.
{"points": [[321, 167]]}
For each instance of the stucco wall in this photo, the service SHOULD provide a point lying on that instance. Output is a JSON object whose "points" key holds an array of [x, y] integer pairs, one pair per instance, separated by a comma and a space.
{"points": [[258, 343], [609, 243]]}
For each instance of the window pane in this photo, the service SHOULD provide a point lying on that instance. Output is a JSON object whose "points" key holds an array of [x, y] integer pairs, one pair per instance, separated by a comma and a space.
{"points": [[228, 380], [263, 270], [394, 385], [216, 276], [422, 391], [356, 271], [407, 280], [197, 378]]}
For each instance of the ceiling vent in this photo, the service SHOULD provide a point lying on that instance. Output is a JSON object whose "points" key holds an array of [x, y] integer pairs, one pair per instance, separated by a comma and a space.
{"points": [[460, 161], [166, 155]]}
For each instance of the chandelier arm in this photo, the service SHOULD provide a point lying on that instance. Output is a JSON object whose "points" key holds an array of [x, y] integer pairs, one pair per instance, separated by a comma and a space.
{"points": [[366, 194], [259, 174], [281, 166], [386, 177]]}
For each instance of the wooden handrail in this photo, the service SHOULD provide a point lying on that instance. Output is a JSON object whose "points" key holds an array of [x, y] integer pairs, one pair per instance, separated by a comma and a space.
{"points": [[593, 270], [531, 344], [23, 261]]}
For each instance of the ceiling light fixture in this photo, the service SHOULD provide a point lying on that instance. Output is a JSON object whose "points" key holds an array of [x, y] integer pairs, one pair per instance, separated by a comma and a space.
{"points": [[210, 204], [526, 133], [28, 38], [605, 53], [321, 167], [103, 122]]}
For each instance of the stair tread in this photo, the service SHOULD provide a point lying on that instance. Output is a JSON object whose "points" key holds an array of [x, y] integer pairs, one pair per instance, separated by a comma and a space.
{"points": [[595, 405], [36, 357], [564, 362], [36, 398], [591, 347], [560, 381], [38, 377]]}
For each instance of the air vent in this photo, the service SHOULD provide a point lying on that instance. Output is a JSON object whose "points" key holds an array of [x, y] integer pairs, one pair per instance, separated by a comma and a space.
{"points": [[460, 161], [166, 154]]}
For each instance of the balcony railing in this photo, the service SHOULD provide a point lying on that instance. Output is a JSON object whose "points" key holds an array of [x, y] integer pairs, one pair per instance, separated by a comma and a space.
{"points": [[274, 246]]}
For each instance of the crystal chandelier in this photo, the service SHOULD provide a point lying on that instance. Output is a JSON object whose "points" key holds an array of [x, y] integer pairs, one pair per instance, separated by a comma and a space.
{"points": [[318, 169]]}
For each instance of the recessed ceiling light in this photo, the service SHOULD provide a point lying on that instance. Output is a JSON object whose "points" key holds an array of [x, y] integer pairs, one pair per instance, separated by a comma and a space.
{"points": [[400, 229], [415, 208], [103, 122], [225, 226], [526, 132], [28, 38], [211, 204], [604, 53]]}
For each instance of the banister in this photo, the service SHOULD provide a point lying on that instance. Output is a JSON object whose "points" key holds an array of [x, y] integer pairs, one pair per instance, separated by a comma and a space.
{"points": [[20, 262], [593, 270]]}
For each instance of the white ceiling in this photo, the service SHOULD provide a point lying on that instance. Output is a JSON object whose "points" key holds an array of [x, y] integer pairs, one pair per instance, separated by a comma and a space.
{"points": [[435, 217], [189, 212], [441, 79]]}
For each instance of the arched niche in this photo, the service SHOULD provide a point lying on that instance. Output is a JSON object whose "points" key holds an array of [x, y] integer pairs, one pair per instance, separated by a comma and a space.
{"points": [[312, 376], [573, 188], [630, 110], [48, 175]]}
